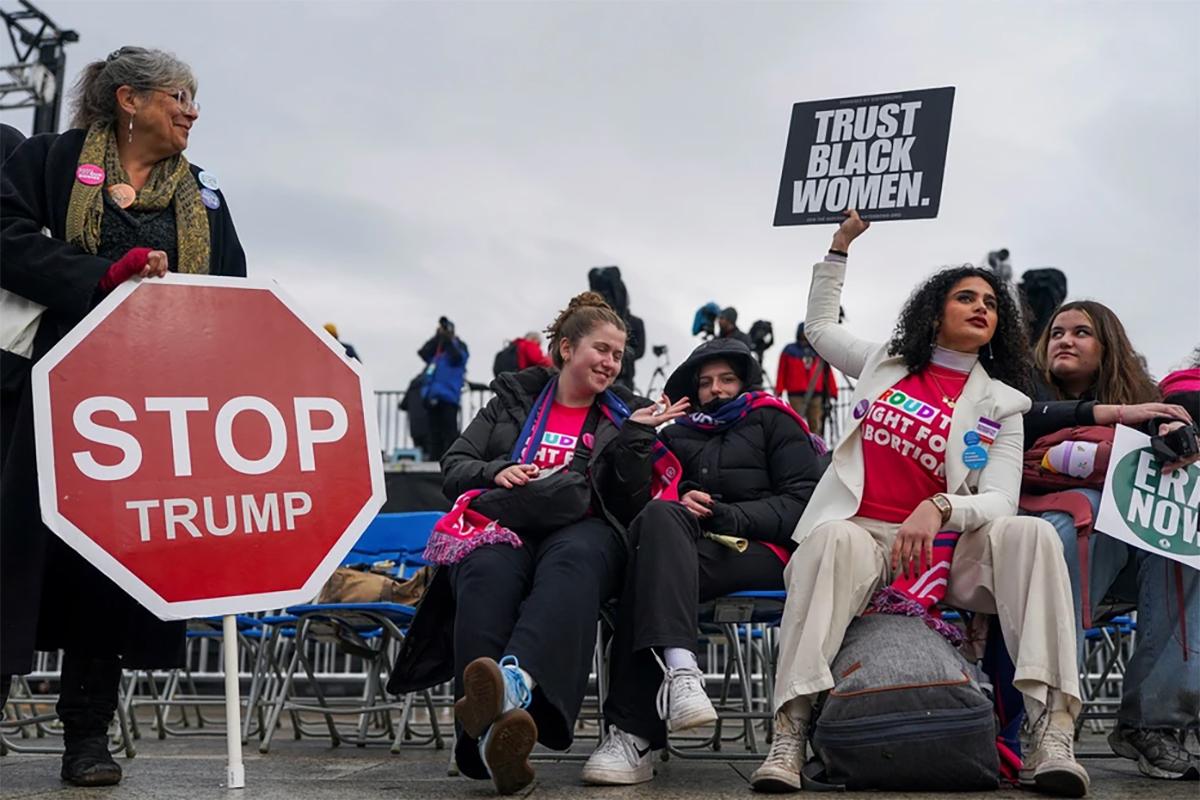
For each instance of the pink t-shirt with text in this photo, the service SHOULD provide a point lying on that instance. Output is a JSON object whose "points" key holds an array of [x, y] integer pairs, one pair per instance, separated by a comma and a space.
{"points": [[561, 435], [904, 440]]}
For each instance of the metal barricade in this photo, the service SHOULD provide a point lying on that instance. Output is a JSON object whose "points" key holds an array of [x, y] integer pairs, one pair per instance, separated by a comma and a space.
{"points": [[395, 436]]}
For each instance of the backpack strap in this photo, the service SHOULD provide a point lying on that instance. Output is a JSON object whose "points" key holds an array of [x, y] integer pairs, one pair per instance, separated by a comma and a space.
{"points": [[814, 779], [1082, 540], [1183, 635], [583, 451]]}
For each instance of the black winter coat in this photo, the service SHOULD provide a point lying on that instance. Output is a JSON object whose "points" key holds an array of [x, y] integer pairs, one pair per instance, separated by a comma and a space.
{"points": [[620, 474], [49, 596], [762, 472], [1049, 415], [619, 471]]}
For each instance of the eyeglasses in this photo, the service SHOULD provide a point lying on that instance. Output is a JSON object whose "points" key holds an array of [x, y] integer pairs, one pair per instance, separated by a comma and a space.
{"points": [[185, 101]]}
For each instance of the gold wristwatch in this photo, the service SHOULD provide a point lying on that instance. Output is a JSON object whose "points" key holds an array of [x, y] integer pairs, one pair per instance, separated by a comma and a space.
{"points": [[943, 505]]}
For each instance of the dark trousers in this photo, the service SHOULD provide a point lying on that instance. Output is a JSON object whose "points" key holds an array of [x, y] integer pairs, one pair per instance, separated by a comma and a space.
{"points": [[88, 697], [443, 428], [671, 571], [539, 603]]}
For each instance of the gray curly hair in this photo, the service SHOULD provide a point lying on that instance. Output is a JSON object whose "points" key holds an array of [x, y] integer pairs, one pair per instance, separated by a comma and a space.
{"points": [[95, 94]]}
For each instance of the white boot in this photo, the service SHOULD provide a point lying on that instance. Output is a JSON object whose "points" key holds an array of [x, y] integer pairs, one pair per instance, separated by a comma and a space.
{"points": [[781, 771], [1048, 746], [620, 760]]}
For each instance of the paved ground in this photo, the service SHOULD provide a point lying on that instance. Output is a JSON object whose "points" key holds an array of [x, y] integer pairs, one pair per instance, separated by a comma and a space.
{"points": [[194, 768]]}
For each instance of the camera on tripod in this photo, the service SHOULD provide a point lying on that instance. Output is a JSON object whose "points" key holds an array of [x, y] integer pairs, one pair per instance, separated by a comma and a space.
{"points": [[762, 336], [704, 323]]}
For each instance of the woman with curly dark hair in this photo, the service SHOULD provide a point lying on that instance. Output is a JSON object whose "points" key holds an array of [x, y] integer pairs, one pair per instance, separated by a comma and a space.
{"points": [[1005, 357], [922, 495]]}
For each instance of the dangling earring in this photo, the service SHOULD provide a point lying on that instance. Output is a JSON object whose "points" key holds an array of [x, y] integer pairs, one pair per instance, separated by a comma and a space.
{"points": [[131, 128], [990, 356]]}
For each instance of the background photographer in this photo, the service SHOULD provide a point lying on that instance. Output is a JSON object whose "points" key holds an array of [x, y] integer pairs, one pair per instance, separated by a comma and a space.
{"points": [[445, 357], [727, 328], [607, 282]]}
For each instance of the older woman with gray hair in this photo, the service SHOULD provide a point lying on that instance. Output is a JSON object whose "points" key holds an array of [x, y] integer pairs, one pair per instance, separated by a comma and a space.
{"points": [[119, 200]]}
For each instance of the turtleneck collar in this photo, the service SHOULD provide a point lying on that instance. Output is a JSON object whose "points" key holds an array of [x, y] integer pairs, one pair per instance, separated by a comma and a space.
{"points": [[952, 359]]}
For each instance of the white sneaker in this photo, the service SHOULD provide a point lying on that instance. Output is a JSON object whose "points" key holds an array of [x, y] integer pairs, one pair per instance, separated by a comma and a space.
{"points": [[781, 771], [683, 701], [1050, 766], [619, 761]]}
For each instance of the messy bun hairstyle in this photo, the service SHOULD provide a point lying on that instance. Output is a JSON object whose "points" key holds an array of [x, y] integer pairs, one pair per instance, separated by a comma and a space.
{"points": [[581, 316]]}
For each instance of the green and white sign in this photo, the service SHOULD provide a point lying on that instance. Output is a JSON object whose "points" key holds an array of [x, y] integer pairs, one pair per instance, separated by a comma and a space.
{"points": [[1147, 508]]}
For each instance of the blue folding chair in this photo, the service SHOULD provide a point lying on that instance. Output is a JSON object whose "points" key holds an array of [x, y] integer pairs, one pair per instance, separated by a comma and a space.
{"points": [[180, 692], [371, 631], [747, 621], [394, 537]]}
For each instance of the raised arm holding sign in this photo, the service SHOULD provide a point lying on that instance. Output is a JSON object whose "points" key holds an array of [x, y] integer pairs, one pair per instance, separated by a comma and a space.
{"points": [[919, 508]]}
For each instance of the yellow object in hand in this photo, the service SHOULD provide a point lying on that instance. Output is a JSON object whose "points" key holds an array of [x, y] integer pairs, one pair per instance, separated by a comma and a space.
{"points": [[732, 542]]}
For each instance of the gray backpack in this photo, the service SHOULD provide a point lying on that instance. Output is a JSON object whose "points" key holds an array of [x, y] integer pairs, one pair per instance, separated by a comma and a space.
{"points": [[905, 713]]}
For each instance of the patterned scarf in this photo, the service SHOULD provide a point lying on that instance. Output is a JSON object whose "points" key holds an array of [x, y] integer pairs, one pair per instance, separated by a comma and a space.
{"points": [[463, 529], [739, 408], [916, 595], [665, 466], [170, 181]]}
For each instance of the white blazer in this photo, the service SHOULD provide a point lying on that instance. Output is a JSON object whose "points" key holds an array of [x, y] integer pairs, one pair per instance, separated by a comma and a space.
{"points": [[977, 496]]}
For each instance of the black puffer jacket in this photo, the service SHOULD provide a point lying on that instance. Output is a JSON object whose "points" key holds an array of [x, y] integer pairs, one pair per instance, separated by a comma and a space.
{"points": [[1049, 415], [762, 471], [620, 468], [619, 471]]}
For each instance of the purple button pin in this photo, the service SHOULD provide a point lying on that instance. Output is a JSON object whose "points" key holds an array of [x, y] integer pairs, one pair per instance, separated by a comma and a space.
{"points": [[860, 409], [210, 199]]}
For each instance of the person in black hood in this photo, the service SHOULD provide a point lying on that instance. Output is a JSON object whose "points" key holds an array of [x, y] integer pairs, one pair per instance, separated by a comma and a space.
{"points": [[557, 463], [749, 467]]}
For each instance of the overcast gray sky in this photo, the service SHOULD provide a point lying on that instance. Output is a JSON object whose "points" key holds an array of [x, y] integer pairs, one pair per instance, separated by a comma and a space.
{"points": [[388, 163]]}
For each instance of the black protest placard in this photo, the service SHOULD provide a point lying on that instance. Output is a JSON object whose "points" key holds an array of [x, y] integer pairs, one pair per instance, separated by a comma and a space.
{"points": [[883, 155]]}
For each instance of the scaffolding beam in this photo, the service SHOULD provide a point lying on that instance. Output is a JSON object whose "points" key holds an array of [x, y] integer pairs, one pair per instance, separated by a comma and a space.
{"points": [[34, 79]]}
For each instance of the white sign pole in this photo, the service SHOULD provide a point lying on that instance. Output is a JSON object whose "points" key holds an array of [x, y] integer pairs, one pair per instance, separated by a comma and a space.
{"points": [[236, 772]]}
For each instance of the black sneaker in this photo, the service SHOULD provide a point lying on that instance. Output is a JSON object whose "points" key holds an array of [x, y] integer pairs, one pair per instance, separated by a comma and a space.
{"points": [[87, 762], [1160, 753]]}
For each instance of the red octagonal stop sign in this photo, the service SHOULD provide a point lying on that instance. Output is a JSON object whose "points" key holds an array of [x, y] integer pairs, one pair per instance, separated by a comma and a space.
{"points": [[204, 447]]}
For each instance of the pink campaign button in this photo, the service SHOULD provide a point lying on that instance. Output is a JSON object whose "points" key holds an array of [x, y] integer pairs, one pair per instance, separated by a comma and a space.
{"points": [[90, 174]]}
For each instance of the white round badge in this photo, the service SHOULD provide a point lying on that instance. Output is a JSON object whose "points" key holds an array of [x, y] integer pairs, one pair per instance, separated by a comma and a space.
{"points": [[209, 181]]}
